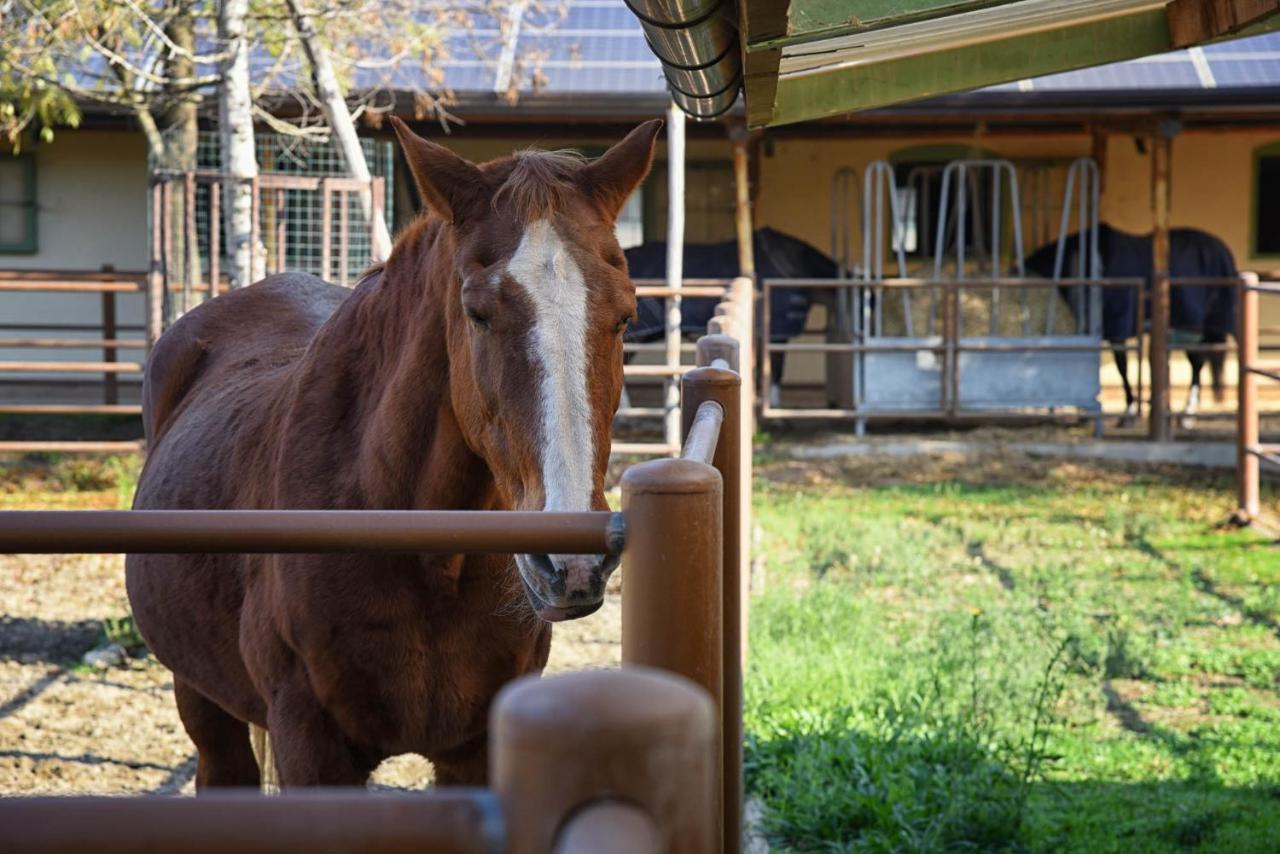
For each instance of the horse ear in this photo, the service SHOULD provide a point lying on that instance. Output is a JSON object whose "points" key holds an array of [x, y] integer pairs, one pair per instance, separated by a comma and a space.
{"points": [[615, 175], [450, 184]]}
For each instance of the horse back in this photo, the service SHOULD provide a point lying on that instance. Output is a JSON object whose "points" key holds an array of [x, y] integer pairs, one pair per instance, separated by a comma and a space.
{"points": [[247, 331]]}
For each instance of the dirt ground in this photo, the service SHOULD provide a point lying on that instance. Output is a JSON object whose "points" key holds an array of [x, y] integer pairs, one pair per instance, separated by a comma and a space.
{"points": [[66, 728]]}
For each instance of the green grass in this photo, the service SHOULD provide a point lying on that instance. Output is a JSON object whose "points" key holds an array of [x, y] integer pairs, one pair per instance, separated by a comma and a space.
{"points": [[1078, 660]]}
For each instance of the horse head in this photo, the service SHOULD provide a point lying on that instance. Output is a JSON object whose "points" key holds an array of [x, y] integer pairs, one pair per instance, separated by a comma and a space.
{"points": [[538, 302]]}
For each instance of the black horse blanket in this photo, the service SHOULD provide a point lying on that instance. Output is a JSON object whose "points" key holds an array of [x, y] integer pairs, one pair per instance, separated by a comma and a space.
{"points": [[1204, 309], [777, 255]]}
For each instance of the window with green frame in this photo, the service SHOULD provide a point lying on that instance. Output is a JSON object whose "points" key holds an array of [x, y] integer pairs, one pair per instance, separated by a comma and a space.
{"points": [[18, 204], [1266, 201]]}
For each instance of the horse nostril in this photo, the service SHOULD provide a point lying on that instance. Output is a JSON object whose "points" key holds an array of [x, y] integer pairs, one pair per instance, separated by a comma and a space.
{"points": [[584, 576]]}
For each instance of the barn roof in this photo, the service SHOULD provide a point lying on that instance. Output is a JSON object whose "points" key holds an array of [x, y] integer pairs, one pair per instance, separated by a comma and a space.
{"points": [[592, 59]]}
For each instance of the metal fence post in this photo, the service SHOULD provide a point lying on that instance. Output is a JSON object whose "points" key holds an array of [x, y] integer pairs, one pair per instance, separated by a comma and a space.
{"points": [[724, 386], [672, 604], [635, 742], [1247, 464]]}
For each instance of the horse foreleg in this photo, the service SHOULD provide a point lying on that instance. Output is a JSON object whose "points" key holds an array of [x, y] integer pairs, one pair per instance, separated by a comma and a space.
{"points": [[1130, 405], [310, 748], [1192, 406], [222, 741], [777, 363], [1217, 365], [464, 766]]}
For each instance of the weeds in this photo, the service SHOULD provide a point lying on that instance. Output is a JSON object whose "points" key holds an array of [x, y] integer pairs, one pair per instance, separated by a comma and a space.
{"points": [[905, 696], [124, 632]]}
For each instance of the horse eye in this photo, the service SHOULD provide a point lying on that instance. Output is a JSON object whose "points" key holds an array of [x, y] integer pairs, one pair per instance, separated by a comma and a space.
{"points": [[624, 323], [477, 318]]}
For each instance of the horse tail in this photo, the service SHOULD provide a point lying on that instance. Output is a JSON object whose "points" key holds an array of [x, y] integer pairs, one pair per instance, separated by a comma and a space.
{"points": [[171, 370]]}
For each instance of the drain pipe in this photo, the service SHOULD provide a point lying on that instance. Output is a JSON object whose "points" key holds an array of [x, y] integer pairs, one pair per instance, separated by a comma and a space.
{"points": [[697, 43]]}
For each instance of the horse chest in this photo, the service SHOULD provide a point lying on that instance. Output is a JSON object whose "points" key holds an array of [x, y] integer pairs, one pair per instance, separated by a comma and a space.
{"points": [[412, 671]]}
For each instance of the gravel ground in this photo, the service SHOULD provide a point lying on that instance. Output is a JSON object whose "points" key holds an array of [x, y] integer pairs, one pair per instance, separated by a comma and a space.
{"points": [[66, 728]]}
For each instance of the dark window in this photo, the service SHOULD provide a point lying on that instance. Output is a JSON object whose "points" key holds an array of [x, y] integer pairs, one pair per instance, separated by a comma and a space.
{"points": [[18, 204], [919, 200], [1266, 226]]}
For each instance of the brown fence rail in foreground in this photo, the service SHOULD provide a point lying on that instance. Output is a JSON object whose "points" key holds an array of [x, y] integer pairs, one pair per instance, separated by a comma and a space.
{"points": [[308, 531], [635, 760], [1251, 453]]}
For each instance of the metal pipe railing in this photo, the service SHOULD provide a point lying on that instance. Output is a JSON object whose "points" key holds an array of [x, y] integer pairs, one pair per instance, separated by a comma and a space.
{"points": [[308, 531], [459, 821]]}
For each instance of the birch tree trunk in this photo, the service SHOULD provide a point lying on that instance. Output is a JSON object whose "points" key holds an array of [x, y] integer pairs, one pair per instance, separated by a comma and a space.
{"points": [[334, 103], [235, 130], [181, 143]]}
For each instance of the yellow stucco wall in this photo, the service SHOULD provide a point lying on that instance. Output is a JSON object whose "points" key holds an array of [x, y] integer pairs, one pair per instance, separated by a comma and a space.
{"points": [[1211, 182]]}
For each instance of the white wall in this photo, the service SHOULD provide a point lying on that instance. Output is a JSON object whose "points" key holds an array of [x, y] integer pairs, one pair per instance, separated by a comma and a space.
{"points": [[91, 201]]}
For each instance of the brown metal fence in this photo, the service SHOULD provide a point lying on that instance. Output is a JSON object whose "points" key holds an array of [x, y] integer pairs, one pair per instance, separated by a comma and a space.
{"points": [[1251, 452], [950, 345], [112, 338], [634, 760]]}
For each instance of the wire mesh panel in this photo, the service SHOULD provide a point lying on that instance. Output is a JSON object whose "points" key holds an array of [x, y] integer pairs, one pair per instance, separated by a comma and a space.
{"points": [[309, 217]]}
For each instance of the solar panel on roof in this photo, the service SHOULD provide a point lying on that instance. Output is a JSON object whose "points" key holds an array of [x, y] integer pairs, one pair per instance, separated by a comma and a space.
{"points": [[1256, 73]]}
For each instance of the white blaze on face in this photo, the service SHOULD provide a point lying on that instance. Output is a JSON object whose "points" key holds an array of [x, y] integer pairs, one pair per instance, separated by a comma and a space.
{"points": [[546, 270]]}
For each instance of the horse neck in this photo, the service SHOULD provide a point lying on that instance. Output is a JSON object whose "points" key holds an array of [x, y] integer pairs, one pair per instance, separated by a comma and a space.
{"points": [[383, 358]]}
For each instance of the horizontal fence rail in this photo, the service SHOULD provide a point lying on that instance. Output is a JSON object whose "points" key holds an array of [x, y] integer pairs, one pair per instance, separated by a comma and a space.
{"points": [[450, 821], [308, 531]]}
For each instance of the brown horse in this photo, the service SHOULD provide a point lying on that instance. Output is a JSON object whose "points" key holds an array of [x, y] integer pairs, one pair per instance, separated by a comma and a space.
{"points": [[478, 369]]}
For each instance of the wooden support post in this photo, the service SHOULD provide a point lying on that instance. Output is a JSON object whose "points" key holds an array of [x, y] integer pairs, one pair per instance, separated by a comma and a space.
{"points": [[634, 743], [724, 386], [166, 225], [344, 237], [672, 613], [1247, 463], [215, 236], [110, 386], [155, 277], [281, 230], [675, 270], [378, 201], [326, 230], [190, 240], [742, 199], [1161, 150]]}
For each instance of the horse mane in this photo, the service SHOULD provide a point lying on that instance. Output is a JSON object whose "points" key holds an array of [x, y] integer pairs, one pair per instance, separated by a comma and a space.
{"points": [[540, 183]]}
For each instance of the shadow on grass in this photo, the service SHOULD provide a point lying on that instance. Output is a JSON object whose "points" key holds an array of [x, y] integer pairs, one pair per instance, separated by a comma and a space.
{"points": [[846, 790]]}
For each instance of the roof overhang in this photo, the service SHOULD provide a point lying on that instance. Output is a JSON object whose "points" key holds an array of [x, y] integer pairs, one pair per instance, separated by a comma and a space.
{"points": [[809, 59]]}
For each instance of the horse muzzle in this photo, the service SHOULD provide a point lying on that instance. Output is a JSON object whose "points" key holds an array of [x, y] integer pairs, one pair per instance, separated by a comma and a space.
{"points": [[565, 587]]}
